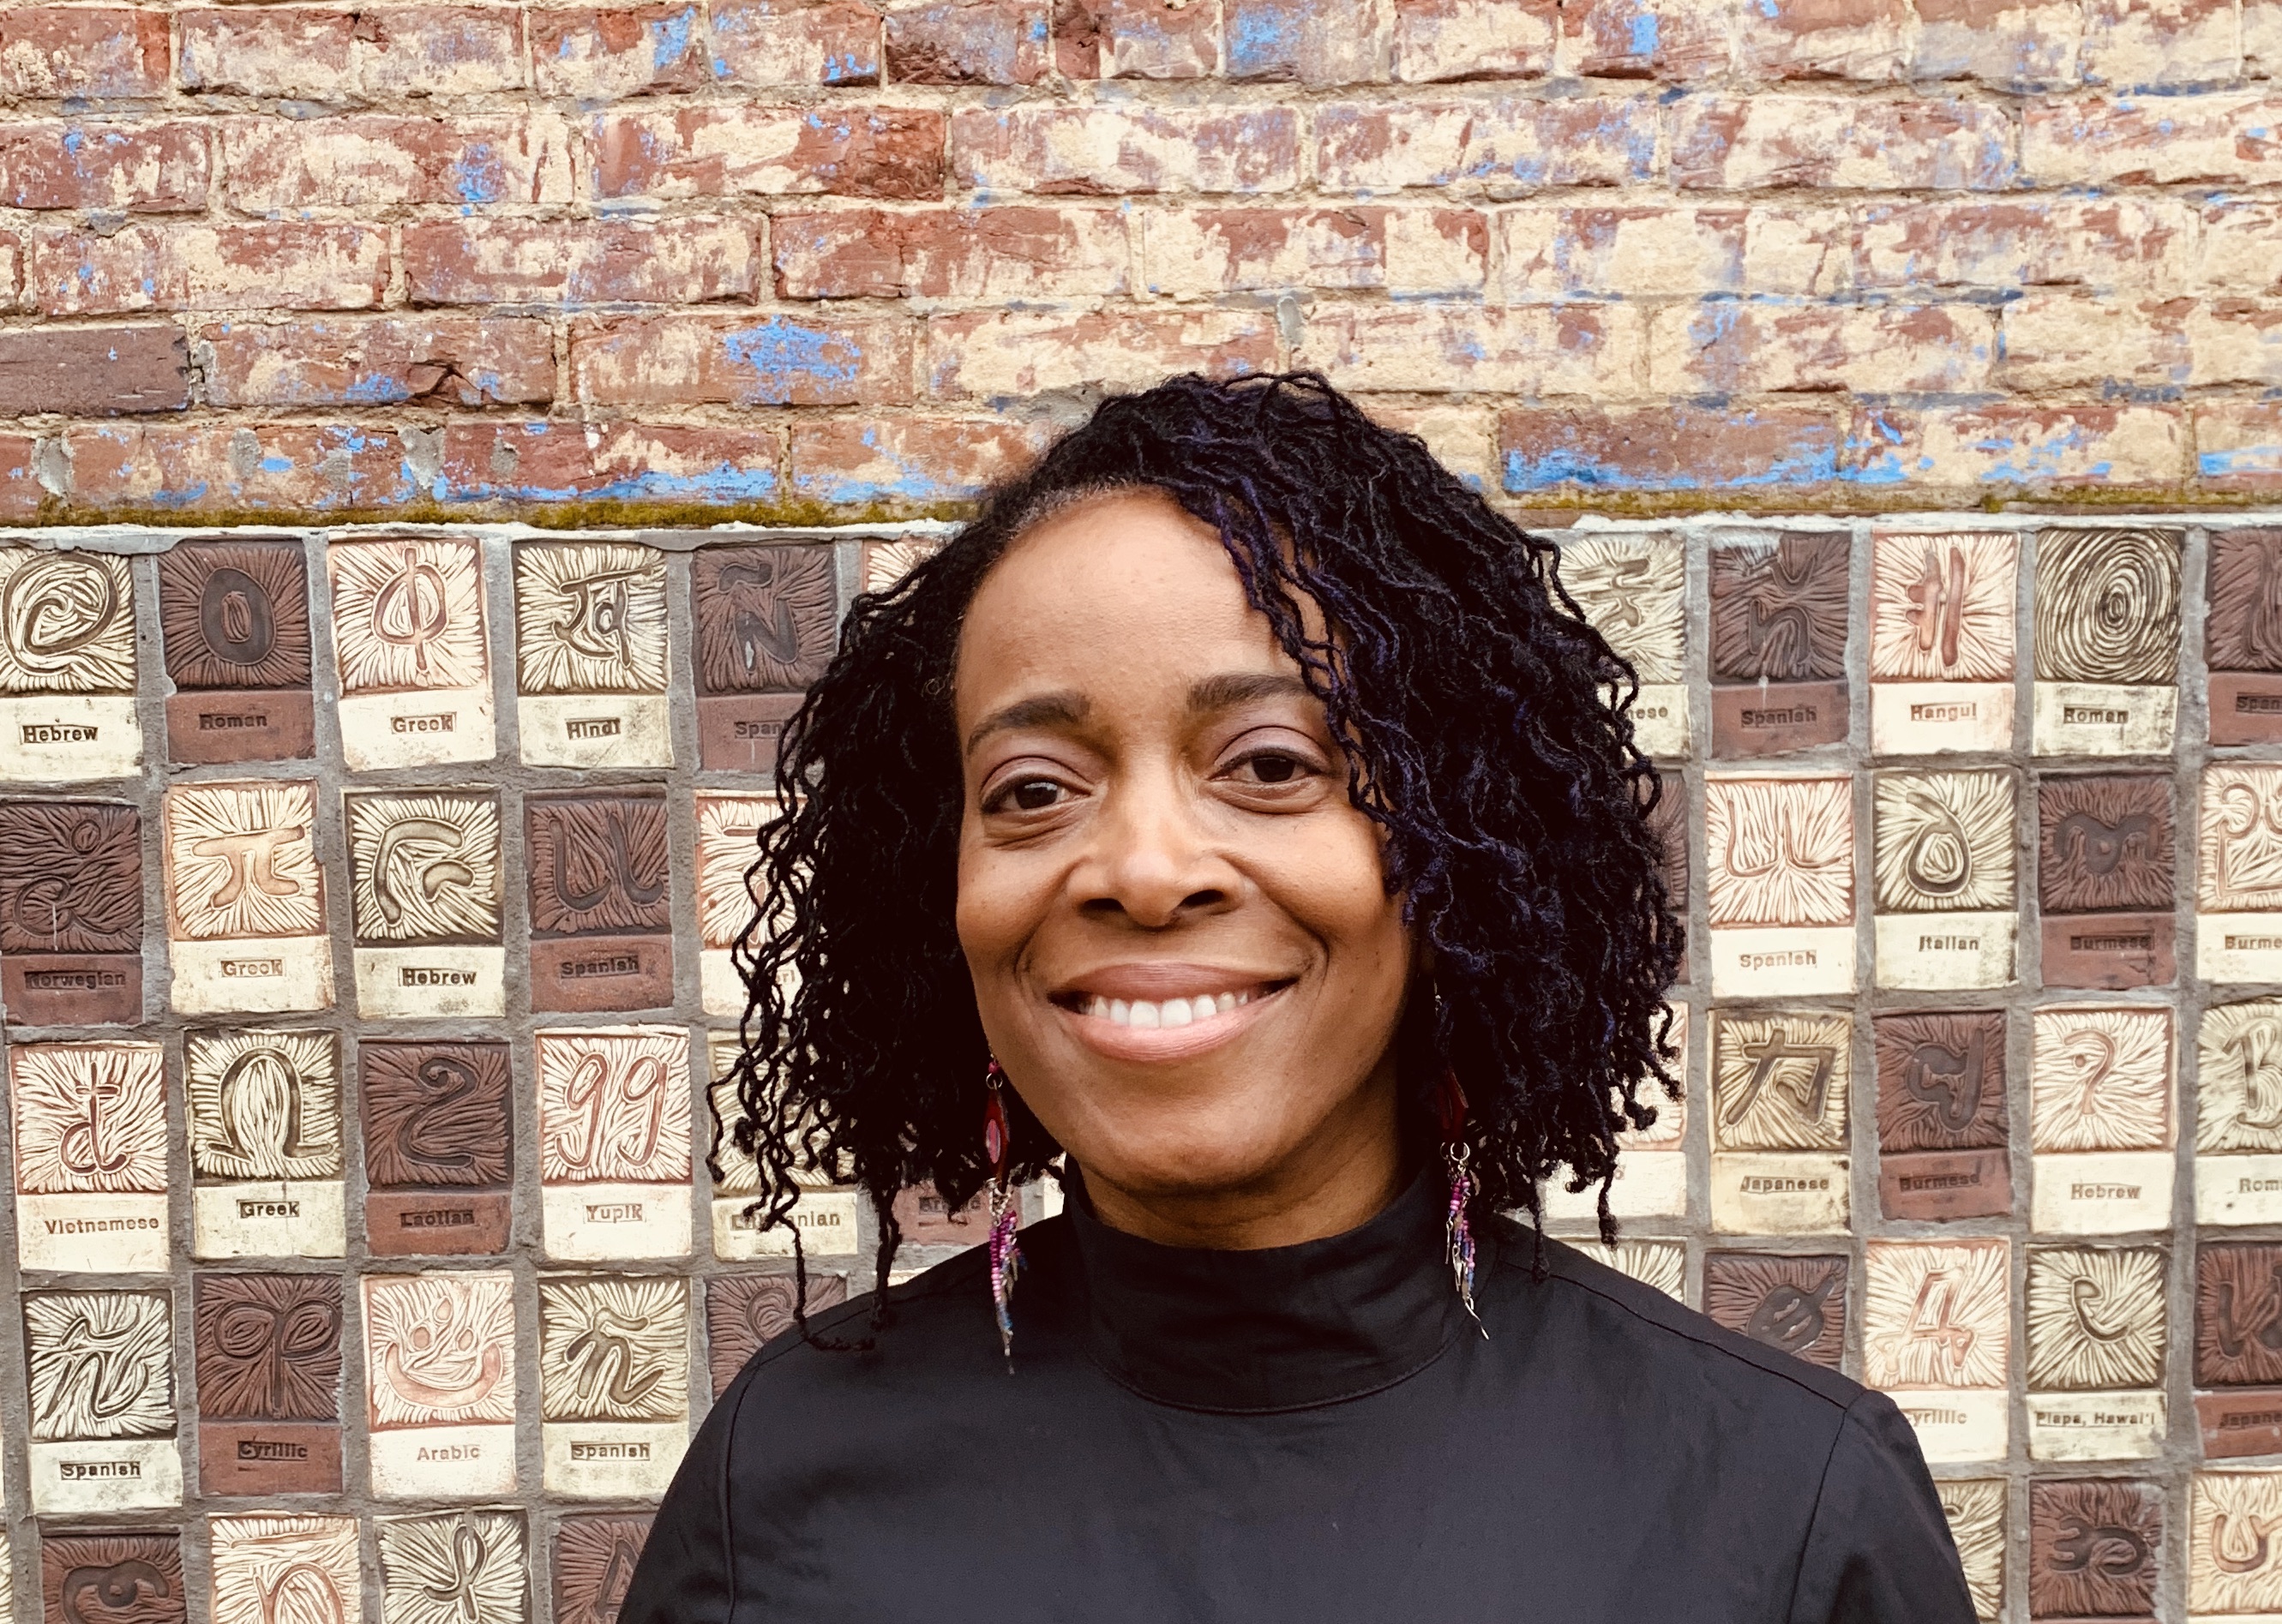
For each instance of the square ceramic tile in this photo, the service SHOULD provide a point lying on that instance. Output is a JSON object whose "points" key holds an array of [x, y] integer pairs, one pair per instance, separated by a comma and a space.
{"points": [[1796, 1305], [263, 1111], [1779, 877], [1975, 1510], [414, 656], [67, 710], [2106, 641], [1944, 878], [425, 883], [438, 1147], [2095, 1548], [2234, 1567], [91, 1178], [246, 899], [439, 1367], [462, 1567], [592, 648], [1941, 641], [2104, 878], [2237, 1356], [71, 912], [2102, 1118], [601, 902], [2239, 1114], [826, 1213], [269, 1351], [744, 1311], [131, 1574], [2238, 873], [2242, 638], [728, 836], [2097, 1331], [1633, 590], [1937, 1333], [767, 620], [100, 1379], [233, 618], [613, 1141], [273, 1567], [1780, 1088], [1779, 636], [1942, 1115], [614, 1389], [594, 1559]]}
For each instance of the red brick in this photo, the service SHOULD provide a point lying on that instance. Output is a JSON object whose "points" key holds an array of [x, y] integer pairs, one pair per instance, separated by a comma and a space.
{"points": [[1825, 38], [1135, 39], [599, 55], [54, 51], [2239, 445], [579, 262], [368, 160], [1732, 347], [284, 468], [766, 151], [1307, 42], [2029, 44], [996, 254], [92, 371], [1504, 146], [1667, 448], [1106, 150], [744, 360], [1203, 251], [1680, 41], [797, 42], [270, 51], [19, 486], [2240, 249], [2231, 137], [1555, 251], [1005, 355], [968, 43], [207, 268], [905, 463], [439, 49], [1576, 349], [2235, 341], [2021, 444], [2160, 44], [2023, 243], [1743, 143], [498, 464], [2062, 339], [148, 168], [425, 360], [1440, 40]]}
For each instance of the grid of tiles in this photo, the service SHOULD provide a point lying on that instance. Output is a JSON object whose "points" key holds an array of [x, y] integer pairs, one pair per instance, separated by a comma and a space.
{"points": [[365, 901]]}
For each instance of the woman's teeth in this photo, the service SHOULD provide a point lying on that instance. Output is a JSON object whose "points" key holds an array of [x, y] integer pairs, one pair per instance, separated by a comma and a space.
{"points": [[1171, 1012]]}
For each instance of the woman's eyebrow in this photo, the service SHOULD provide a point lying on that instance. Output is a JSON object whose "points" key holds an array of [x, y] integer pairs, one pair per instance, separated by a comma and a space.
{"points": [[1220, 692], [1066, 709]]}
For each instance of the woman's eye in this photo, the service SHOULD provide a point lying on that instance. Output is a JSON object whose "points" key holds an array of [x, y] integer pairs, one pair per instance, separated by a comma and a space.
{"points": [[1034, 794], [1269, 768]]}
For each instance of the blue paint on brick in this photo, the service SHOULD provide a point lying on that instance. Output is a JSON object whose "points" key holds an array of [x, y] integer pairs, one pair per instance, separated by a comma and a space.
{"points": [[73, 140], [276, 464], [781, 355], [1645, 33], [1261, 41], [477, 175], [669, 38], [2242, 460]]}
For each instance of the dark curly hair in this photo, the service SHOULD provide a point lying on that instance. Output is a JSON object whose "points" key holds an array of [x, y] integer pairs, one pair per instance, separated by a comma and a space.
{"points": [[1488, 736]]}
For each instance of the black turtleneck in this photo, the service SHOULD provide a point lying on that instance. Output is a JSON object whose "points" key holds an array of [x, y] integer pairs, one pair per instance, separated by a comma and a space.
{"points": [[1309, 1434]]}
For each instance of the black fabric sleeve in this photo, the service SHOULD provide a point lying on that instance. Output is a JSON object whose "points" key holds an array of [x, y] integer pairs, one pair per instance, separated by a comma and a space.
{"points": [[1878, 1549], [685, 1576]]}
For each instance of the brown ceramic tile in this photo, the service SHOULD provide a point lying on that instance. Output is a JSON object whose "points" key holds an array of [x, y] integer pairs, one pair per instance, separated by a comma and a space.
{"points": [[601, 902], [233, 616], [1942, 1115], [2237, 1314], [1796, 1304], [594, 1559], [119, 1576], [765, 617], [2105, 857], [2095, 1547], [268, 1349], [71, 912], [2242, 638], [437, 1147], [1779, 624], [742, 1311]]}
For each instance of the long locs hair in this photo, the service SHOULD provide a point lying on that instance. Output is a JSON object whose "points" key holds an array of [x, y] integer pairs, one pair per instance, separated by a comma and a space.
{"points": [[1487, 735]]}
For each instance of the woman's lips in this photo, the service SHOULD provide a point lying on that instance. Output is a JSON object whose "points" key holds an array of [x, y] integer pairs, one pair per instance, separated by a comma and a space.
{"points": [[1165, 1029]]}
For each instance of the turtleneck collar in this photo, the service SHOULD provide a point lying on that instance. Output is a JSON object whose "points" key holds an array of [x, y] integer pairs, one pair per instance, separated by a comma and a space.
{"points": [[1288, 1327]]}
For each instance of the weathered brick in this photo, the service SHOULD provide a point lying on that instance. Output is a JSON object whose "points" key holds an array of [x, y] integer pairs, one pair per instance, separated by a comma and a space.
{"points": [[1463, 438], [1503, 145], [1680, 41], [439, 49], [2020, 444], [745, 152], [1198, 253], [2235, 341], [998, 254], [2240, 247], [207, 268], [1444, 40], [484, 461], [370, 160], [2230, 138], [1307, 42], [1554, 252], [906, 462], [1135, 39], [1000, 355], [1829, 39], [579, 262], [2160, 44], [1575, 348], [1101, 151], [2027, 44], [57, 51], [968, 43], [2065, 340], [797, 42], [744, 360], [269, 50], [599, 54], [1745, 143], [2025, 243], [2239, 445], [1732, 347], [148, 168], [20, 494], [425, 360], [286, 467], [2262, 38], [92, 371], [1665, 448]]}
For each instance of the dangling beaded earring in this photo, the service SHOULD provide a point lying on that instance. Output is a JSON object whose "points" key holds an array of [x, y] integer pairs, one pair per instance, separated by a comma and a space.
{"points": [[1450, 1108], [1005, 1213]]}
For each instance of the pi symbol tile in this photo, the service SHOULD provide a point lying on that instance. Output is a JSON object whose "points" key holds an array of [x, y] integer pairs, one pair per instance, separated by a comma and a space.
{"points": [[245, 898]]}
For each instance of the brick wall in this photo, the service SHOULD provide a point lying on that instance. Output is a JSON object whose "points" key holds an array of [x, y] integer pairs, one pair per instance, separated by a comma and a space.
{"points": [[794, 260]]}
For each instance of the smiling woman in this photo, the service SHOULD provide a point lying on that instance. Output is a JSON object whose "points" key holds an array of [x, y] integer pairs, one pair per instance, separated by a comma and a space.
{"points": [[1236, 821]]}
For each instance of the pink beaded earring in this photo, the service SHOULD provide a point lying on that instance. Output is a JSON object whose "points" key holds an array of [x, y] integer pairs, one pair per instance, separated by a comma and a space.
{"points": [[1450, 1108], [1006, 1212]]}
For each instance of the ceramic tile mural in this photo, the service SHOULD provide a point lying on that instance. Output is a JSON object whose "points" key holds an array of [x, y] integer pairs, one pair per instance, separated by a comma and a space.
{"points": [[363, 1063]]}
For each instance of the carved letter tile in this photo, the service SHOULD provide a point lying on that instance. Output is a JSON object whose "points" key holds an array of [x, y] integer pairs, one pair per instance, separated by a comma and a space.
{"points": [[1975, 1510], [2107, 642], [424, 876], [591, 654], [2238, 873], [68, 667], [1937, 1333], [614, 1385], [1796, 1305], [614, 1150], [465, 1567], [270, 1569], [2097, 1331], [1780, 1083], [887, 562], [71, 913], [268, 1350], [826, 1211], [2242, 638], [119, 1576], [1778, 642], [2100, 1119], [594, 1559], [1947, 907], [2104, 875], [1633, 590], [264, 1113], [1941, 641], [246, 899], [2094, 1549], [440, 1374], [601, 902], [2239, 1347], [1779, 874], [439, 1148], [90, 1157], [744, 1311], [100, 1380], [2234, 1564], [728, 833], [233, 616], [766, 619], [1942, 1117], [2239, 1114], [414, 662]]}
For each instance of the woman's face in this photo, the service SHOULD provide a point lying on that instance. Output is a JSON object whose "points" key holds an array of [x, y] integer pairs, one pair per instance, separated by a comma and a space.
{"points": [[1182, 947]]}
